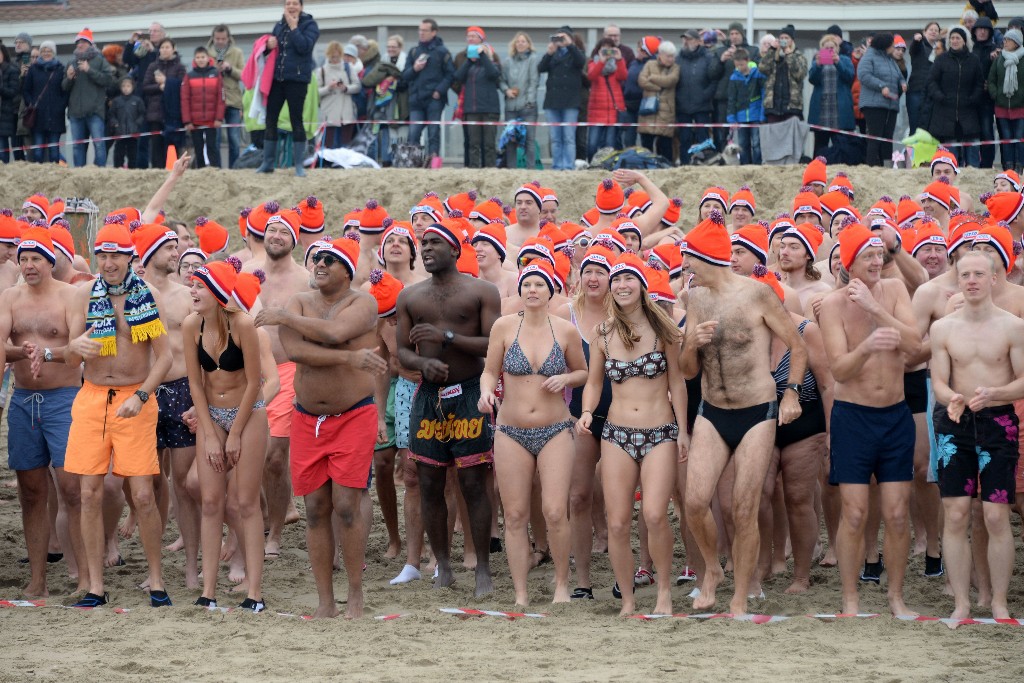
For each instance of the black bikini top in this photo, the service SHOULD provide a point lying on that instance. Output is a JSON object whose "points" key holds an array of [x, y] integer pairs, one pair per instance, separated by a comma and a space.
{"points": [[231, 359], [650, 365]]}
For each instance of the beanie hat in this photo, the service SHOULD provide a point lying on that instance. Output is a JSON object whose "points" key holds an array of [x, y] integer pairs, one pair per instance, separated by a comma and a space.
{"points": [[639, 199], [709, 241], [816, 172], [598, 256], [213, 236], [345, 249], [743, 197], [944, 156], [314, 247], [590, 218], [290, 219], [762, 274], [736, 26], [247, 289], [385, 288], [928, 232], [114, 238], [672, 212], [898, 41], [535, 247], [220, 277], [563, 266], [996, 235], [833, 200], [842, 181], [429, 205], [548, 195], [908, 211], [149, 238], [552, 232], [658, 287], [650, 45], [85, 34], [38, 202], [754, 239], [493, 234], [1011, 177], [313, 219], [10, 230], [256, 221], [779, 226], [371, 220], [37, 240], [808, 235], [63, 241], [126, 216], [668, 258], [467, 263], [806, 202], [464, 202], [939, 191], [532, 189], [885, 206], [629, 263], [574, 231], [1015, 35], [788, 30], [853, 240], [610, 198], [401, 231], [351, 220], [962, 30], [611, 238], [488, 211], [834, 30], [624, 225], [715, 194], [23, 36], [1005, 206], [962, 234], [445, 233], [477, 30], [538, 268], [56, 211], [243, 220]]}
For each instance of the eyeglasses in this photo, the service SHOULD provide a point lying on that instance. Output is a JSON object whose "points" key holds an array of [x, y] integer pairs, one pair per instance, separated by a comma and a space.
{"points": [[189, 267], [327, 259]]}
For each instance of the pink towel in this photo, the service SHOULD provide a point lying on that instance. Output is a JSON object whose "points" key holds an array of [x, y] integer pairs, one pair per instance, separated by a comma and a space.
{"points": [[252, 68]]}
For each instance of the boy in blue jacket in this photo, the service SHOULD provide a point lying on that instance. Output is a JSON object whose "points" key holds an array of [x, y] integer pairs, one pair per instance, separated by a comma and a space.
{"points": [[746, 105]]}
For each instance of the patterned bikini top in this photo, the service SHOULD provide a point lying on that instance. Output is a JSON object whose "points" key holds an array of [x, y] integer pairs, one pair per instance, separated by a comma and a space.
{"points": [[650, 365], [517, 364]]}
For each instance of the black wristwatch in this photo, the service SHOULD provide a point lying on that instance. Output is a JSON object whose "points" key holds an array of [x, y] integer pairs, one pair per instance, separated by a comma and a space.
{"points": [[143, 396], [794, 387], [449, 337]]}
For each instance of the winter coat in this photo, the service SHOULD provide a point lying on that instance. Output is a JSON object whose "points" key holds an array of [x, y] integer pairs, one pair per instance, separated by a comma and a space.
{"points": [[232, 77], [955, 87], [695, 92], [746, 97], [120, 72], [656, 79], [877, 70], [796, 65], [632, 93], [126, 115], [606, 99], [564, 89], [175, 72], [10, 98], [983, 50], [520, 71], [846, 74], [295, 49], [995, 85], [337, 107], [41, 88], [479, 78], [202, 97], [920, 65], [399, 107], [436, 76], [727, 67], [138, 66], [372, 60], [87, 91]]}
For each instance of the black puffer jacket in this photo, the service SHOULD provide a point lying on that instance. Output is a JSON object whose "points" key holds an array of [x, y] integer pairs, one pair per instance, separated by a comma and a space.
{"points": [[10, 98], [695, 92], [41, 88], [955, 87], [983, 51], [564, 88]]}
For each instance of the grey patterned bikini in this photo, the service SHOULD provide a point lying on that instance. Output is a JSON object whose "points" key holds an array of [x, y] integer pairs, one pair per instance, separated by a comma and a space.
{"points": [[534, 439]]}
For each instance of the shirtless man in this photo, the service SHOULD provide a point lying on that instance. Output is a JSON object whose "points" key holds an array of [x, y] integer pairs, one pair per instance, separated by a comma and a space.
{"points": [[868, 327], [330, 334], [114, 327], [491, 244], [730, 323], [398, 252], [944, 165], [527, 202], [936, 202], [10, 235], [285, 278], [897, 263], [796, 261], [373, 222], [750, 248], [977, 356], [33, 316], [158, 250], [443, 328]]}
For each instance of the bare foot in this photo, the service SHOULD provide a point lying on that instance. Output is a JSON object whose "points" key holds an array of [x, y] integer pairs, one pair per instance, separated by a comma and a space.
{"points": [[469, 561], [919, 548], [799, 585], [484, 584], [236, 572], [33, 591], [561, 594], [600, 546], [272, 549], [191, 578], [444, 578], [241, 587], [113, 557], [144, 585], [728, 565], [326, 612], [178, 544], [664, 604], [899, 608], [127, 529], [964, 613], [713, 576], [984, 599], [292, 516], [738, 605], [394, 549], [830, 559], [778, 567], [354, 605], [228, 547], [851, 606], [628, 606], [1000, 612]]}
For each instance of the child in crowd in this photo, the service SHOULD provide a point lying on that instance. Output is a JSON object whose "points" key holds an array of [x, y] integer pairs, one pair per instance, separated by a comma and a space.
{"points": [[746, 105], [126, 116], [202, 107]]}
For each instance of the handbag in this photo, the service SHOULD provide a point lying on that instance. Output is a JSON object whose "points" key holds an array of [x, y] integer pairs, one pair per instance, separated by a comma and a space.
{"points": [[648, 106], [28, 117]]}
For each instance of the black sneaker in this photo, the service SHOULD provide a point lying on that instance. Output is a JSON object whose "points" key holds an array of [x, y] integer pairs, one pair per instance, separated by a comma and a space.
{"points": [[582, 594], [90, 600], [495, 545], [872, 572], [933, 566], [205, 602], [616, 592], [254, 605], [159, 599]]}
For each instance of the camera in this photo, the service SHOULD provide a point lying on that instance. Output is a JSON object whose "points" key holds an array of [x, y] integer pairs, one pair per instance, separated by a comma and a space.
{"points": [[556, 38], [607, 52]]}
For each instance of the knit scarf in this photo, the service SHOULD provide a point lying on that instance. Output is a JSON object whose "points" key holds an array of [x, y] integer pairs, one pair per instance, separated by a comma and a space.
{"points": [[1010, 78], [829, 102], [139, 312]]}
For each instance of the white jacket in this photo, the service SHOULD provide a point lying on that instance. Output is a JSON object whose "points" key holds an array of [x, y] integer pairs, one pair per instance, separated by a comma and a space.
{"points": [[336, 106]]}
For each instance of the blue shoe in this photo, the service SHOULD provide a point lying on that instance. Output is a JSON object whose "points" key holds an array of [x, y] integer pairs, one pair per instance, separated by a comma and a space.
{"points": [[159, 599], [91, 600]]}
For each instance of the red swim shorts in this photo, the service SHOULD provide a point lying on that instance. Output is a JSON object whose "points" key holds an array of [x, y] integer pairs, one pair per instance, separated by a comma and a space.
{"points": [[336, 448], [279, 411]]}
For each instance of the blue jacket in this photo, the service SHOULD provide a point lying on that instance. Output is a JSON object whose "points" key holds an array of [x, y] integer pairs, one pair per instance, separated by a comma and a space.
{"points": [[42, 87], [877, 70], [845, 74], [295, 49], [632, 93], [698, 79], [746, 97], [436, 76]]}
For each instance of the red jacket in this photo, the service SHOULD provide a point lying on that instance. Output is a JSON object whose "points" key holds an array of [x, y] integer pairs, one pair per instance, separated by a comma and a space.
{"points": [[605, 92], [202, 97]]}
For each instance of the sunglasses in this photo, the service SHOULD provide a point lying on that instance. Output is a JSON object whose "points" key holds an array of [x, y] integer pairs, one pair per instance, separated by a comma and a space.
{"points": [[327, 259], [583, 242], [524, 260]]}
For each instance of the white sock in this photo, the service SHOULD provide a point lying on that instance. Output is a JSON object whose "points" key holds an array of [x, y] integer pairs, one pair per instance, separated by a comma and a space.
{"points": [[408, 573]]}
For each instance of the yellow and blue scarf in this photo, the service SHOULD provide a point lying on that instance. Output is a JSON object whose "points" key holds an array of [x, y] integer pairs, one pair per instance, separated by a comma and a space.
{"points": [[139, 312]]}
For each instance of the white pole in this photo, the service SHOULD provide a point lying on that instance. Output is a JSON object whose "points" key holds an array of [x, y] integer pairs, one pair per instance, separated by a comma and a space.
{"points": [[750, 22]]}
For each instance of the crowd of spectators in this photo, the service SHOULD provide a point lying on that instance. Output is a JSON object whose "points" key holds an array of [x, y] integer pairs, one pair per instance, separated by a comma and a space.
{"points": [[960, 84]]}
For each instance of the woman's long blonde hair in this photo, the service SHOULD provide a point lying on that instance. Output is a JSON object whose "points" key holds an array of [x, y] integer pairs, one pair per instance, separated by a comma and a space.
{"points": [[665, 329], [512, 43]]}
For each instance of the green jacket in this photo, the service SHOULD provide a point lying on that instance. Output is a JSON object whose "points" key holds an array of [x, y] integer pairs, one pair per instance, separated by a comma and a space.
{"points": [[232, 78], [87, 91], [995, 85], [310, 113]]}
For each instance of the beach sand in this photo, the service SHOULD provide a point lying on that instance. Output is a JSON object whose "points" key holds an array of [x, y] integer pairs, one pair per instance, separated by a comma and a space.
{"points": [[583, 641]]}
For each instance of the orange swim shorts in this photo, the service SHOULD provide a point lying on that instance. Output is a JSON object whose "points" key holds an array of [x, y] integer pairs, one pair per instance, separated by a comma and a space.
{"points": [[336, 448], [98, 436], [279, 411]]}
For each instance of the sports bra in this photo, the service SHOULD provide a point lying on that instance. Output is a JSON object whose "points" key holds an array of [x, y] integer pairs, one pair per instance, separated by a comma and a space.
{"points": [[231, 359], [650, 365], [517, 364], [808, 388]]}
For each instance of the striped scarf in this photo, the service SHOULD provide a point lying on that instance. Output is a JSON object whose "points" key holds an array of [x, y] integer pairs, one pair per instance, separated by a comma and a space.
{"points": [[139, 312]]}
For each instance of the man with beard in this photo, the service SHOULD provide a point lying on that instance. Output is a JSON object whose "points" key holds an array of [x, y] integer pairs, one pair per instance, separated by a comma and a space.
{"points": [[796, 261], [528, 203]]}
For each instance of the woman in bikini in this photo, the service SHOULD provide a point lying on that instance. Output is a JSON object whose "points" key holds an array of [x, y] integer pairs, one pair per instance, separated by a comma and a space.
{"points": [[223, 365], [641, 440], [534, 427]]}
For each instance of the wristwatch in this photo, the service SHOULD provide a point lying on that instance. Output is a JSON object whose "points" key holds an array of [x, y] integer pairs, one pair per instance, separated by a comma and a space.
{"points": [[794, 387], [449, 337], [47, 356], [143, 396]]}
